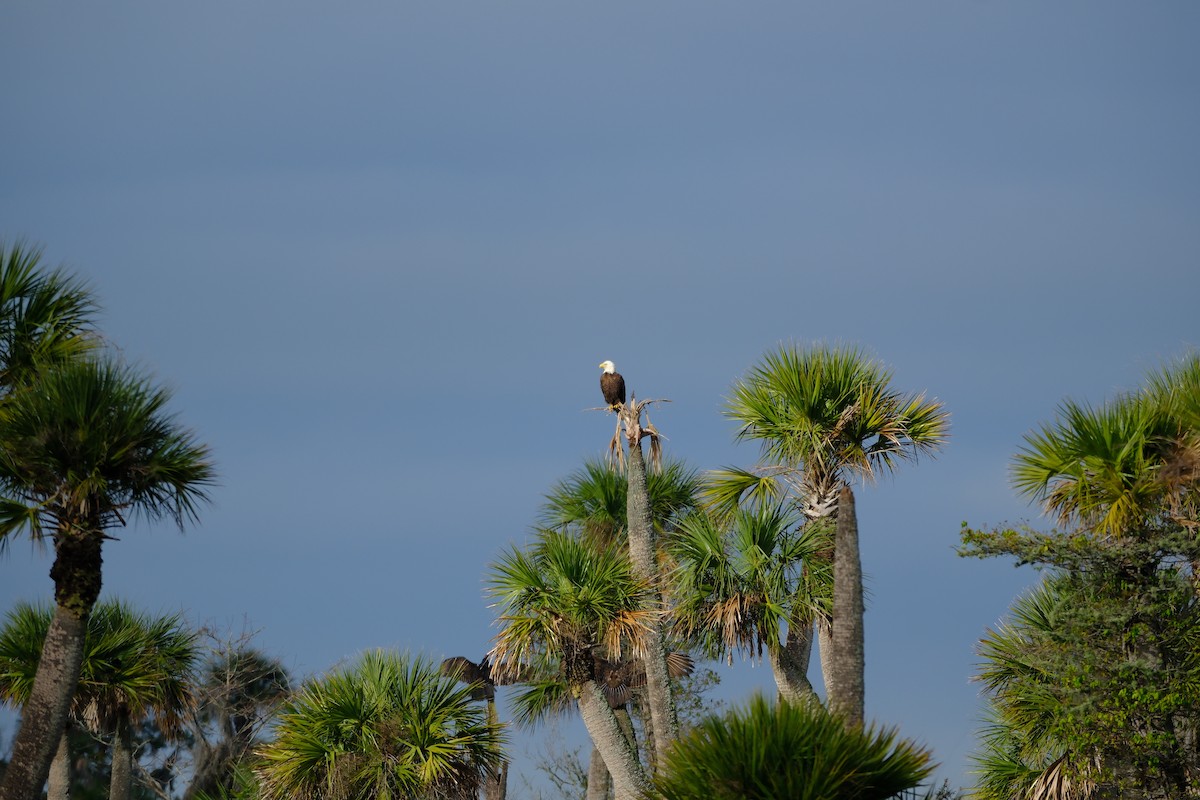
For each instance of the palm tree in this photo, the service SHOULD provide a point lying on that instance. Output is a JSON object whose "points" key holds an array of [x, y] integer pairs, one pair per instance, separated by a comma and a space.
{"points": [[152, 675], [134, 665], [389, 726], [825, 415], [564, 601], [737, 587], [83, 448], [1117, 468], [45, 316], [596, 501], [786, 750]]}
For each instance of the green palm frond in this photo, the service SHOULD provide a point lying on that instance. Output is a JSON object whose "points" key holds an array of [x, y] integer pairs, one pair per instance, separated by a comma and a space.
{"points": [[727, 489], [593, 499], [388, 726], [793, 751], [91, 440], [830, 413], [739, 582], [1097, 467], [21, 642], [564, 594], [45, 316], [135, 664]]}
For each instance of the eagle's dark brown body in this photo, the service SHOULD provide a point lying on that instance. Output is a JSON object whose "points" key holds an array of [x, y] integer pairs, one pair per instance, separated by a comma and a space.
{"points": [[612, 385]]}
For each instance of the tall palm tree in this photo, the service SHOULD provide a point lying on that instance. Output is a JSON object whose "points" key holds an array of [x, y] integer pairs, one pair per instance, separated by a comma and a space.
{"points": [[83, 448], [770, 751], [825, 416], [595, 502], [564, 601], [641, 535], [389, 726], [45, 316], [740, 586], [134, 665]]}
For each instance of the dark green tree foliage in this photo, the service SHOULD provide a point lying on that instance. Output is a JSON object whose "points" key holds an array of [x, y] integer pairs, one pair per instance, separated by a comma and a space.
{"points": [[788, 751], [1095, 677]]}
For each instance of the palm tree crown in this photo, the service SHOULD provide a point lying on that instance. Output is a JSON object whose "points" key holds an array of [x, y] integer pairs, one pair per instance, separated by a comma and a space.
{"points": [[822, 414], [389, 726], [738, 585], [91, 443], [567, 597], [45, 316]]}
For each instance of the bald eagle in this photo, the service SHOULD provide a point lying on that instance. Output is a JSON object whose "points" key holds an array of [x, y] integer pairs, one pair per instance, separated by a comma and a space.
{"points": [[612, 385]]}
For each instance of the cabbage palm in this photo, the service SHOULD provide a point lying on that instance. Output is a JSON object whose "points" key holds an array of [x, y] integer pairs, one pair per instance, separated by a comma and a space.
{"points": [[387, 727], [83, 448], [564, 601], [642, 534], [783, 750], [739, 586], [45, 316], [1120, 467], [823, 416], [596, 501], [153, 675], [134, 665], [1098, 467]]}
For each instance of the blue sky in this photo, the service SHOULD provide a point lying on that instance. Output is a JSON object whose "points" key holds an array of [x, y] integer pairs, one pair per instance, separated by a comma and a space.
{"points": [[378, 249]]}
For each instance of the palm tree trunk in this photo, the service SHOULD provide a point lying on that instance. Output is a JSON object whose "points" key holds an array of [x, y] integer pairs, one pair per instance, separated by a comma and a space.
{"points": [[44, 718], [629, 779], [121, 784], [663, 716], [598, 782], [625, 723], [848, 662], [789, 663], [58, 787], [496, 783]]}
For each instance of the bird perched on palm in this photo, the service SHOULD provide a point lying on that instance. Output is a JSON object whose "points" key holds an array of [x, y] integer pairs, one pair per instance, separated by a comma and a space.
{"points": [[612, 385]]}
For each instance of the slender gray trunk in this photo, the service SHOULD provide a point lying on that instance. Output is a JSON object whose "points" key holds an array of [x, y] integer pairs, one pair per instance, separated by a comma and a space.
{"points": [[663, 716], [789, 663], [598, 782], [628, 777], [58, 787], [121, 785], [44, 718], [625, 723], [847, 695]]}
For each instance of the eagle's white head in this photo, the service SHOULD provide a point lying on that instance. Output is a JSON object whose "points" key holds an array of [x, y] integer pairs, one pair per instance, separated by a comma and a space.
{"points": [[608, 367]]}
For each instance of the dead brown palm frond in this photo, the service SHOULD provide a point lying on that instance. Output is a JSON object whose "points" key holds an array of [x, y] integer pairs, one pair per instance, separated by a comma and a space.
{"points": [[1056, 783], [616, 453]]}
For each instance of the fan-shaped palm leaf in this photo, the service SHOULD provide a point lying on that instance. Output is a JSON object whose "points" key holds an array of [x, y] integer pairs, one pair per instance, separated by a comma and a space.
{"points": [[793, 751], [389, 726]]}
